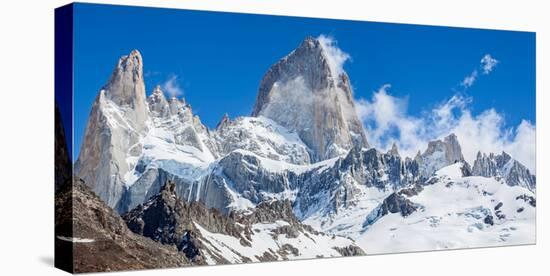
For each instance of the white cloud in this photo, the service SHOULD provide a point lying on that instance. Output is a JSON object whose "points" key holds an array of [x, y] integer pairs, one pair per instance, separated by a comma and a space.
{"points": [[335, 56], [488, 63], [470, 79], [387, 121], [171, 87]]}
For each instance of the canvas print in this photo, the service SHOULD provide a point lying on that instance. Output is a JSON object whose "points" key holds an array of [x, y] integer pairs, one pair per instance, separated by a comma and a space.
{"points": [[188, 138]]}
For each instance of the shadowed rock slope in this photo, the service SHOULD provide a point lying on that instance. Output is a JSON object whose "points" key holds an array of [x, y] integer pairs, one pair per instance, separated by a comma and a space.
{"points": [[100, 239], [269, 232]]}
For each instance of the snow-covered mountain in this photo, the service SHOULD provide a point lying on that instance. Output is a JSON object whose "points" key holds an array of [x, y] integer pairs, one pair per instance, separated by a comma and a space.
{"points": [[263, 137], [505, 167], [303, 152], [453, 211]]}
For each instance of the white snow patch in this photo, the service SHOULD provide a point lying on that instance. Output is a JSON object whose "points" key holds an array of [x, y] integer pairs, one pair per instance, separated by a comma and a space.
{"points": [[75, 240]]}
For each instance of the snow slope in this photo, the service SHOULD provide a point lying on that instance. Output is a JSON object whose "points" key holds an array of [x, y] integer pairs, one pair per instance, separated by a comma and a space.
{"points": [[278, 246], [262, 136], [456, 212]]}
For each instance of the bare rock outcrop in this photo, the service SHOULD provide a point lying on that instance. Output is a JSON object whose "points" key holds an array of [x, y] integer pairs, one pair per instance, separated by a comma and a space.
{"points": [[303, 93], [503, 166], [115, 125], [439, 154]]}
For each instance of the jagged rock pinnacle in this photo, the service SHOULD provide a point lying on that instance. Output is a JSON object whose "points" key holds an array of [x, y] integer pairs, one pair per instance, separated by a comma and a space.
{"points": [[394, 150], [117, 120], [505, 167], [225, 119]]}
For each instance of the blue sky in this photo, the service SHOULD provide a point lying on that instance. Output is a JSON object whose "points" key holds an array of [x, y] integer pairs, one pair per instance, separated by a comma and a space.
{"points": [[220, 58]]}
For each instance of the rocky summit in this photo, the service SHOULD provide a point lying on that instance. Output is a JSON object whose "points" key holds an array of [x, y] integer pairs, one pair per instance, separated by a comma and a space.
{"points": [[296, 179], [116, 124], [305, 94]]}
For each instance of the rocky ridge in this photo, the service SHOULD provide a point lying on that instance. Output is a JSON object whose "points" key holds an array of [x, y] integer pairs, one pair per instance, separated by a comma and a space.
{"points": [[505, 167], [201, 234]]}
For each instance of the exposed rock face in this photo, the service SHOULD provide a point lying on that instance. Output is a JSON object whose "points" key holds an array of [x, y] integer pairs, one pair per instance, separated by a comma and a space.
{"points": [[149, 184], [341, 186], [168, 220], [439, 154], [270, 211], [126, 88], [244, 174], [159, 105], [115, 125], [375, 169], [197, 231], [505, 167], [303, 94], [394, 203], [100, 239], [243, 179]]}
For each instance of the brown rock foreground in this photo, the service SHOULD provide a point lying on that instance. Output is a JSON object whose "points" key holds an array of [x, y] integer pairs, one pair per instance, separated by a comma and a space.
{"points": [[101, 240]]}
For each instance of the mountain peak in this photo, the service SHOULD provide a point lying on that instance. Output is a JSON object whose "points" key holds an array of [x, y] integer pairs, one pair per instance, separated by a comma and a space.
{"points": [[224, 121], [157, 102], [449, 146], [132, 63], [330, 57], [135, 53], [126, 86], [451, 139], [303, 94], [310, 42], [440, 153], [134, 60], [394, 150], [157, 91], [479, 155], [121, 111]]}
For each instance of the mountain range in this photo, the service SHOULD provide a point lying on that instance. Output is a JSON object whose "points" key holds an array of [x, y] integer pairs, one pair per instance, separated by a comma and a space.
{"points": [[295, 179]]}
